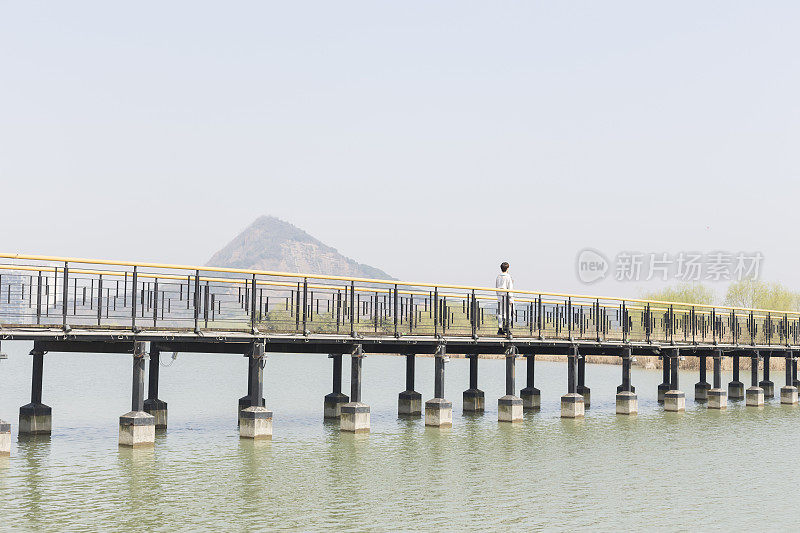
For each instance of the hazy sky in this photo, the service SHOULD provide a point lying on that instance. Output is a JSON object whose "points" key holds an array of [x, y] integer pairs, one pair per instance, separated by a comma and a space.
{"points": [[429, 139]]}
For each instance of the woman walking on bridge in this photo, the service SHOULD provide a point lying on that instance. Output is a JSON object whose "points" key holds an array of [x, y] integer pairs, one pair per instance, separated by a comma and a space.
{"points": [[505, 300]]}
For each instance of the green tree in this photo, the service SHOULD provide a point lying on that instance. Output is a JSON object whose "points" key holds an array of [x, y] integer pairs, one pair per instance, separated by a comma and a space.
{"points": [[690, 293], [760, 294]]}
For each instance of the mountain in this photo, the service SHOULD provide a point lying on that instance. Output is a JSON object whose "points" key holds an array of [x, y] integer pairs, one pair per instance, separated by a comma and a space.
{"points": [[270, 243]]}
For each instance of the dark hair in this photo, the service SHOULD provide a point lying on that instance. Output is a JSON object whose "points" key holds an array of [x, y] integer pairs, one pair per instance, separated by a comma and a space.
{"points": [[504, 266]]}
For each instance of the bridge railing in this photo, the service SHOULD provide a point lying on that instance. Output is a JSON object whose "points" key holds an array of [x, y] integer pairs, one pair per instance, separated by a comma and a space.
{"points": [[86, 294]]}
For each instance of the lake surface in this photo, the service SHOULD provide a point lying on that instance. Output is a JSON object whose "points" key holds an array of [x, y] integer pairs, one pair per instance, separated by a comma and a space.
{"points": [[702, 470]]}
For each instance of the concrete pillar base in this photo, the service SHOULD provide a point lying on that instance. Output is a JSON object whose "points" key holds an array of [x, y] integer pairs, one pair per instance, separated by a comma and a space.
{"points": [[5, 438], [620, 388], [674, 401], [244, 403], [662, 391], [256, 423], [35, 419], [473, 401], [768, 387], [572, 406], [409, 403], [509, 409], [333, 404], [754, 397], [439, 413], [531, 399], [355, 418], [701, 391], [586, 392], [717, 399], [736, 390], [137, 429], [627, 403], [158, 409], [789, 395]]}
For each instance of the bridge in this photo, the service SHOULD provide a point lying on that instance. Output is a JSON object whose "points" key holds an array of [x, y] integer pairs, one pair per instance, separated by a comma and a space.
{"points": [[66, 304]]}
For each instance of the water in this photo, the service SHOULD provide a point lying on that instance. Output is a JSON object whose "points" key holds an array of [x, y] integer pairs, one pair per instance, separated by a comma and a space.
{"points": [[701, 470]]}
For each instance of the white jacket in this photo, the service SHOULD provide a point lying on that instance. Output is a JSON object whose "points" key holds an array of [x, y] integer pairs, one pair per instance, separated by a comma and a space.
{"points": [[504, 281]]}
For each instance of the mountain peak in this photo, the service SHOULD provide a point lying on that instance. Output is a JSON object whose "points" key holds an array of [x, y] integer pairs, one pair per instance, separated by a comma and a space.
{"points": [[270, 243]]}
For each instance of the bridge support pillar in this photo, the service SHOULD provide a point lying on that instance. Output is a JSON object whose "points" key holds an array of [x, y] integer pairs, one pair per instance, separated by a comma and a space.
{"points": [[674, 398], [702, 387], [5, 438], [438, 411], [627, 402], [665, 376], [474, 400], [409, 402], [572, 402], [582, 389], [735, 387], [509, 407], [717, 398], [244, 401], [766, 384], [36, 418], [355, 415], [531, 396], [256, 420], [796, 382], [754, 396], [137, 428], [152, 404], [789, 391], [335, 400]]}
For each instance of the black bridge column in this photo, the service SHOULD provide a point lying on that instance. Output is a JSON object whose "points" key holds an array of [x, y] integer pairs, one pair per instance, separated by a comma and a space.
{"points": [[438, 411], [244, 401], [409, 402], [736, 387], [137, 428], [531, 396], [572, 402], [509, 407], [355, 415], [665, 376], [789, 391], [36, 418], [582, 389], [152, 404], [702, 387], [335, 400], [795, 381], [627, 361], [754, 395], [766, 384], [717, 397], [473, 397], [627, 402], [5, 438], [674, 398], [255, 422]]}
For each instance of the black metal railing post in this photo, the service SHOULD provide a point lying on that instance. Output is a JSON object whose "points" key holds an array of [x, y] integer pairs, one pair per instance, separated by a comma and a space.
{"points": [[133, 299], [65, 297], [196, 301], [352, 310], [253, 316], [395, 310]]}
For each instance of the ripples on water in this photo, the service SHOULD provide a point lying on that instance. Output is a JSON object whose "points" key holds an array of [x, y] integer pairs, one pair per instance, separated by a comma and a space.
{"points": [[700, 470]]}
